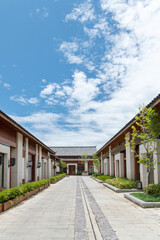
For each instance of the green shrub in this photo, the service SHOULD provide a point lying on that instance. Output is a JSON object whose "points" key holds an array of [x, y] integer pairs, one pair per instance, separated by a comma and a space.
{"points": [[84, 171], [153, 189], [55, 178], [104, 177], [79, 173], [122, 183], [12, 193], [97, 174]]}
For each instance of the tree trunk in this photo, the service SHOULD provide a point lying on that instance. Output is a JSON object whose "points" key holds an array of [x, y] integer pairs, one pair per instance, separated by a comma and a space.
{"points": [[147, 181]]}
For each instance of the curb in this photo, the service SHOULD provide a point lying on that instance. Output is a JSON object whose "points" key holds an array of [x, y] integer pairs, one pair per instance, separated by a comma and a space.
{"points": [[117, 190], [100, 181], [140, 202]]}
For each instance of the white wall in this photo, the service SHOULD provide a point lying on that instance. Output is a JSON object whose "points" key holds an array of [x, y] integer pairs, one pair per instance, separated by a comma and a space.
{"points": [[6, 151], [129, 159], [119, 165]]}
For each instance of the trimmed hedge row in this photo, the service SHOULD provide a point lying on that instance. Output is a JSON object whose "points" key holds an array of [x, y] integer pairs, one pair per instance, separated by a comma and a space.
{"points": [[12, 193], [122, 183], [58, 177], [104, 177], [97, 174]]}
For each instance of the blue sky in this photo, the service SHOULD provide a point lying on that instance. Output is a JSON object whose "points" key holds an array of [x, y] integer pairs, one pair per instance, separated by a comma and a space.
{"points": [[75, 72]]}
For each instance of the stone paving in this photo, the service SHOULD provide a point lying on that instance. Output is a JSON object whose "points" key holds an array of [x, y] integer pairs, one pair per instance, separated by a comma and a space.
{"points": [[129, 221], [104, 226], [82, 209], [47, 215], [80, 220]]}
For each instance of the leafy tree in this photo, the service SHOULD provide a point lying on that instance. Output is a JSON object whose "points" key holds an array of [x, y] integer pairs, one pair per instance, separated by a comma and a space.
{"points": [[96, 162], [62, 165], [147, 131], [84, 157]]}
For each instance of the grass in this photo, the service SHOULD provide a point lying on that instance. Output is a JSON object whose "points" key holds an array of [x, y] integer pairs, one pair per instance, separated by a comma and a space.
{"points": [[146, 197]]}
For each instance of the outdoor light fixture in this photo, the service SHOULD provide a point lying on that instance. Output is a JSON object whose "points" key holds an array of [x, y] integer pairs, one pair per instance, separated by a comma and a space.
{"points": [[29, 164], [54, 166], [12, 162], [1, 160], [39, 165], [139, 185]]}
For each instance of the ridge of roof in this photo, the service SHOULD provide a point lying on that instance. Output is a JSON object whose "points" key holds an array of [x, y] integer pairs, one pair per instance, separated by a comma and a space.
{"points": [[72, 146]]}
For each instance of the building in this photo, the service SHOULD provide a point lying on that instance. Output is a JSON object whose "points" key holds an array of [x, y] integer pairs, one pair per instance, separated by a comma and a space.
{"points": [[118, 160], [73, 157], [23, 157]]}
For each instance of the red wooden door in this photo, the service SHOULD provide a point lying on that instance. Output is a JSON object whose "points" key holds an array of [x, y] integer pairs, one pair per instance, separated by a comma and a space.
{"points": [[72, 170]]}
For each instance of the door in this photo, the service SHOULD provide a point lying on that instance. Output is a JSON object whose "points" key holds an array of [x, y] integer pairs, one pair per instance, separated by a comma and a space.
{"points": [[1, 169], [71, 169], [33, 168]]}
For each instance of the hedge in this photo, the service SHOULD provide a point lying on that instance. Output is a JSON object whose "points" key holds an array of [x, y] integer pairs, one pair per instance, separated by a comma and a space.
{"points": [[56, 178], [104, 177], [12, 193], [153, 189], [97, 174], [122, 183]]}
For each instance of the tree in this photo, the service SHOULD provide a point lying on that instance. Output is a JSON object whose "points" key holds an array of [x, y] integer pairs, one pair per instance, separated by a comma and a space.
{"points": [[147, 131], [62, 165], [84, 157], [96, 161]]}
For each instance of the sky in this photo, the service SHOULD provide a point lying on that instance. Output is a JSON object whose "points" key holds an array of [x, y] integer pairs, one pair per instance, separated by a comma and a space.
{"points": [[75, 72]]}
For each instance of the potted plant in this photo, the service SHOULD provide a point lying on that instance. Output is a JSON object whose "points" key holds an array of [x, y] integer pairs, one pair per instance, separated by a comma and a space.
{"points": [[84, 173]]}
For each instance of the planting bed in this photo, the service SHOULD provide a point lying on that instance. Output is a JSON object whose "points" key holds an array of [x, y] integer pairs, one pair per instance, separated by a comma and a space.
{"points": [[140, 202]]}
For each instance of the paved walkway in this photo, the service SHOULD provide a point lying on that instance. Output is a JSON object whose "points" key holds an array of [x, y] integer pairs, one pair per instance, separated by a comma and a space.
{"points": [[79, 208]]}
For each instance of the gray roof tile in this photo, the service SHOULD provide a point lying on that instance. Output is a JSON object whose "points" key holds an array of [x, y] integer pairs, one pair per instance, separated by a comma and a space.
{"points": [[74, 151]]}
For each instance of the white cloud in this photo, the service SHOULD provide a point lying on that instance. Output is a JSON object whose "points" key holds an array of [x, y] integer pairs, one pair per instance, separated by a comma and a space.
{"points": [[41, 12], [84, 90], [69, 49], [54, 134], [38, 120], [67, 90], [23, 100], [51, 101], [48, 90], [33, 100], [44, 80], [98, 29], [60, 94], [84, 12], [7, 85]]}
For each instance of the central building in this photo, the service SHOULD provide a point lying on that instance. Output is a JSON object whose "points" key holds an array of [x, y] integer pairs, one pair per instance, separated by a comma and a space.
{"points": [[77, 158]]}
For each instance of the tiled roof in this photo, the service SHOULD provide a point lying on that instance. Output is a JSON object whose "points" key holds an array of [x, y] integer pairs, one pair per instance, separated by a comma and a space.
{"points": [[74, 151]]}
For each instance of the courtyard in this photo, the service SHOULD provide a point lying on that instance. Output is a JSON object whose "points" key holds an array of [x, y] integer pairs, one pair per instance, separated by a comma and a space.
{"points": [[82, 209]]}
